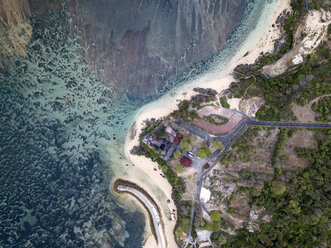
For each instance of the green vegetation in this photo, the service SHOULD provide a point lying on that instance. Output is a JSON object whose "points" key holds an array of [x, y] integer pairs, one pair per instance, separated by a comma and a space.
{"points": [[318, 4], [287, 87], [297, 200], [243, 149], [300, 207], [160, 133], [323, 107], [318, 86], [218, 238], [204, 152], [178, 186], [184, 112], [185, 144], [245, 174], [282, 138], [177, 154], [215, 119], [216, 144], [179, 169], [215, 215], [277, 188], [215, 226], [183, 226], [224, 103], [149, 129]]}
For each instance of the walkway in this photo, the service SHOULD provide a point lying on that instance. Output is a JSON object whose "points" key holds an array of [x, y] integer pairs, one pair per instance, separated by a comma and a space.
{"points": [[153, 211]]}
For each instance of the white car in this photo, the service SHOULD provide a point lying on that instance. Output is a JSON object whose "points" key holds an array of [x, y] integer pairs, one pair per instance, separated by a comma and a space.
{"points": [[190, 155]]}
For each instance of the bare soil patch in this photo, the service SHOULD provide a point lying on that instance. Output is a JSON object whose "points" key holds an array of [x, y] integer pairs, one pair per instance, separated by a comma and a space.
{"points": [[305, 113], [302, 138], [240, 204]]}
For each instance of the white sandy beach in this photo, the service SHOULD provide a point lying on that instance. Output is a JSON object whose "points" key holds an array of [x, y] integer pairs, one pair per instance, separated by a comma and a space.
{"points": [[261, 39]]}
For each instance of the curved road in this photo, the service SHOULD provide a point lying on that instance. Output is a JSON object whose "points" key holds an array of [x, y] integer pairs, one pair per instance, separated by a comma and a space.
{"points": [[228, 140], [154, 212]]}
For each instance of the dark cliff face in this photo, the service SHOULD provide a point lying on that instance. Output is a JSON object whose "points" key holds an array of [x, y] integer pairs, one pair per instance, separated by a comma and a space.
{"points": [[135, 46]]}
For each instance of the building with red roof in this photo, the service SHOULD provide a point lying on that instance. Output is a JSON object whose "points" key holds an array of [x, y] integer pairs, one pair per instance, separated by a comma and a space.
{"points": [[185, 161], [178, 138]]}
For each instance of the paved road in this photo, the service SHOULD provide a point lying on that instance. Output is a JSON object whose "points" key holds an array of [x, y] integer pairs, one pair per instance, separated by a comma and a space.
{"points": [[196, 131], [228, 140], [287, 124], [196, 194], [238, 134]]}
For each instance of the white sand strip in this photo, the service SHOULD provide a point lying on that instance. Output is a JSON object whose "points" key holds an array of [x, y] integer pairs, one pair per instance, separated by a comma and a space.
{"points": [[261, 39]]}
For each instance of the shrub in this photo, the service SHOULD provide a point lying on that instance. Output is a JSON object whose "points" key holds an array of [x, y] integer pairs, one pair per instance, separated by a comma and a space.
{"points": [[215, 215], [278, 188], [185, 144], [179, 169], [177, 154]]}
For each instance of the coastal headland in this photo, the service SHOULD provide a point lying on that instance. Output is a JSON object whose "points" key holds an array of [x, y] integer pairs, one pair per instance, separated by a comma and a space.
{"points": [[260, 40], [185, 134]]}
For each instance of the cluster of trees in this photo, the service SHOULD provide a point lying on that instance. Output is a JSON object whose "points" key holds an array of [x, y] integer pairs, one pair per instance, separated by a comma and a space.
{"points": [[160, 133], [224, 103], [245, 174], [177, 154], [179, 169], [319, 86], [183, 220], [185, 144], [215, 225], [277, 91], [216, 119], [150, 128], [282, 139], [184, 112], [318, 4], [323, 107], [243, 149], [178, 185], [204, 152]]}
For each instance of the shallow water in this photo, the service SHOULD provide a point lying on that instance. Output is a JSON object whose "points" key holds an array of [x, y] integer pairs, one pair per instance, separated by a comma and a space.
{"points": [[60, 130]]}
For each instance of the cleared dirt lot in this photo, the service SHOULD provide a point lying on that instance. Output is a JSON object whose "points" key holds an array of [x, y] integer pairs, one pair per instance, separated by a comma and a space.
{"points": [[234, 119]]}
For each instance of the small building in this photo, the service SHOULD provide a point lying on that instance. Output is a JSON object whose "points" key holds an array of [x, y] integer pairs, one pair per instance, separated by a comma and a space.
{"points": [[185, 161], [170, 131], [169, 153]]}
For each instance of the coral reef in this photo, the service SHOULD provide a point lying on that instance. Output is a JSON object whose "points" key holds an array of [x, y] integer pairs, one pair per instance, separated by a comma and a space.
{"points": [[54, 117]]}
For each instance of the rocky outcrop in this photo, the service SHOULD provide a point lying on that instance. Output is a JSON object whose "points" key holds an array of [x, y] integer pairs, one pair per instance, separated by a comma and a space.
{"points": [[15, 29]]}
